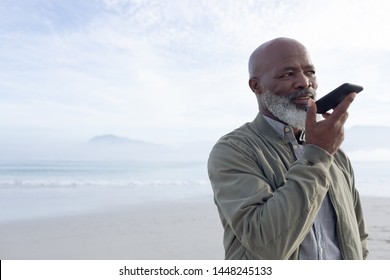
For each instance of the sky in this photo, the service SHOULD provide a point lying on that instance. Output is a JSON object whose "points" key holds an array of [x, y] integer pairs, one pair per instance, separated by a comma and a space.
{"points": [[171, 71]]}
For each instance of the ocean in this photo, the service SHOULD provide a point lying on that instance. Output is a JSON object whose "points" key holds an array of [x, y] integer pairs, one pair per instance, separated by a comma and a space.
{"points": [[34, 189]]}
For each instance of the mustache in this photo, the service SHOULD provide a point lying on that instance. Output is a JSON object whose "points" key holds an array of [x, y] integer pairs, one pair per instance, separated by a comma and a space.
{"points": [[306, 91]]}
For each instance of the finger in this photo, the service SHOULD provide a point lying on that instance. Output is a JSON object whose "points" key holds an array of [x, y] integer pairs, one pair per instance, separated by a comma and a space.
{"points": [[344, 118], [311, 114]]}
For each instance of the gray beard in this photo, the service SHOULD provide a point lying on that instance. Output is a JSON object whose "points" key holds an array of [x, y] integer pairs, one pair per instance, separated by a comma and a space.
{"points": [[286, 111]]}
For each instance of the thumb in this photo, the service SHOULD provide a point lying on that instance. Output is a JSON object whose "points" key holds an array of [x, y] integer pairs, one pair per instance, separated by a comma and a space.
{"points": [[311, 118]]}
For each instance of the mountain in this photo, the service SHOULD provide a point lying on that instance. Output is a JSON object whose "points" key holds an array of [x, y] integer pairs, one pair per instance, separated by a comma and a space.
{"points": [[113, 140], [367, 138], [113, 147], [367, 143]]}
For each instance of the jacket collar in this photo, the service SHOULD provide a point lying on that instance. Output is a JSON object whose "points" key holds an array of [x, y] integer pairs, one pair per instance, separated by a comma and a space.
{"points": [[262, 126]]}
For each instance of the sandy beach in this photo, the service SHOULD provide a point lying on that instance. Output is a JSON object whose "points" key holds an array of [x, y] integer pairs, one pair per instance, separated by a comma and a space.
{"points": [[186, 229]]}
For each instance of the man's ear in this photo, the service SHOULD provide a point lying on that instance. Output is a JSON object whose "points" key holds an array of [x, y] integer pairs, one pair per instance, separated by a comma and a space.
{"points": [[255, 85]]}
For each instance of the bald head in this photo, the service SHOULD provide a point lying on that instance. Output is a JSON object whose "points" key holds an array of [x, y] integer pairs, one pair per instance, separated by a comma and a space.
{"points": [[278, 48]]}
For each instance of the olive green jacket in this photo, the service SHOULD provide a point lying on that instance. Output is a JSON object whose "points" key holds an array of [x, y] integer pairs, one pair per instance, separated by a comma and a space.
{"points": [[267, 200]]}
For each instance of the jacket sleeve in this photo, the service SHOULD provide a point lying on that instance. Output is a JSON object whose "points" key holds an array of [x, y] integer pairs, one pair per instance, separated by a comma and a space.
{"points": [[271, 224], [359, 215], [362, 227]]}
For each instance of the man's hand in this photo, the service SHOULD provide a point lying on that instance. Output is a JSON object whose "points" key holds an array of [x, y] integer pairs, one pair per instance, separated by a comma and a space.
{"points": [[328, 133]]}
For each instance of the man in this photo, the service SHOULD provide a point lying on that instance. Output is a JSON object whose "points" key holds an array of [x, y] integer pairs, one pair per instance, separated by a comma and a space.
{"points": [[282, 193]]}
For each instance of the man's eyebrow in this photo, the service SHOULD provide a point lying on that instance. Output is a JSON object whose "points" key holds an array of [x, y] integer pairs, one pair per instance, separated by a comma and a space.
{"points": [[289, 68], [311, 66]]}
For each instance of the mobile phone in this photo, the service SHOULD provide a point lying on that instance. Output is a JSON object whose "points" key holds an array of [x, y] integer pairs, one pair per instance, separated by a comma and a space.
{"points": [[335, 97]]}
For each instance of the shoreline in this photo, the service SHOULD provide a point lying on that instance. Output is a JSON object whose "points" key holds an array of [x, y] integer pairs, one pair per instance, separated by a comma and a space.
{"points": [[185, 229]]}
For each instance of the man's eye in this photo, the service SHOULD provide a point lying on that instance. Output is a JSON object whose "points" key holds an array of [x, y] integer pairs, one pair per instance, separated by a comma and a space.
{"points": [[311, 73], [287, 74]]}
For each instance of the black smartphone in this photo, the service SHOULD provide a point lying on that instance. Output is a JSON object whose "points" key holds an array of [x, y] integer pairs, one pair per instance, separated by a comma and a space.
{"points": [[335, 97]]}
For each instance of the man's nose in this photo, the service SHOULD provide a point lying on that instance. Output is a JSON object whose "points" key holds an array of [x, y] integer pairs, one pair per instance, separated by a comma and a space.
{"points": [[302, 81]]}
